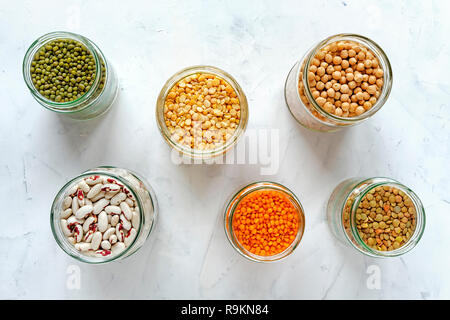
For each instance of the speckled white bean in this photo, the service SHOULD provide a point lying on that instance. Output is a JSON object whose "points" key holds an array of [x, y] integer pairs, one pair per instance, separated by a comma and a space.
{"points": [[73, 190], [87, 223], [100, 205], [112, 239], [75, 204], [106, 245], [113, 209], [83, 246], [129, 202], [88, 236], [99, 196], [135, 219], [84, 186], [66, 213], [92, 181], [67, 202], [125, 223], [118, 248], [72, 220], [119, 232], [110, 194], [108, 187], [126, 210], [108, 233], [72, 240], [129, 238], [84, 211], [96, 239], [115, 220], [102, 221], [95, 190], [78, 232], [118, 198], [65, 229]]}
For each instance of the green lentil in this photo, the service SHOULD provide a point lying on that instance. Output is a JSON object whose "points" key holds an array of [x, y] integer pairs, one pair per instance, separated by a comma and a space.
{"points": [[386, 218]]}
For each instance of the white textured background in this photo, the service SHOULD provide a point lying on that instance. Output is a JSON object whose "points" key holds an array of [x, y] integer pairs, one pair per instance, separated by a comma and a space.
{"points": [[257, 42]]}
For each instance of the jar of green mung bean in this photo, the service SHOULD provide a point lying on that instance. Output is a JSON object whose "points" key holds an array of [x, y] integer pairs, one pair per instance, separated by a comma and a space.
{"points": [[67, 73], [379, 216]]}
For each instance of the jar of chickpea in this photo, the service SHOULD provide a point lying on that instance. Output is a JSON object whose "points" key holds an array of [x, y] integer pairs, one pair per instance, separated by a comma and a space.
{"points": [[201, 112], [379, 217], [264, 221], [340, 82]]}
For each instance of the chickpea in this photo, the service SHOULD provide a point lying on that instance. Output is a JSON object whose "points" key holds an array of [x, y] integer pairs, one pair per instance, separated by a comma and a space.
{"points": [[336, 75], [337, 60], [359, 111], [320, 71], [330, 92], [345, 78]]}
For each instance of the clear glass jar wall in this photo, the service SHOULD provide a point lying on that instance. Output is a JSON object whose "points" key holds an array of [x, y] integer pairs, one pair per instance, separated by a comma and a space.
{"points": [[93, 103], [191, 152], [304, 107], [342, 222], [232, 205], [146, 204]]}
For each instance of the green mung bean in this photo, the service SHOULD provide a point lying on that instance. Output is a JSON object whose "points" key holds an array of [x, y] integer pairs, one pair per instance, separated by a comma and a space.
{"points": [[63, 70]]}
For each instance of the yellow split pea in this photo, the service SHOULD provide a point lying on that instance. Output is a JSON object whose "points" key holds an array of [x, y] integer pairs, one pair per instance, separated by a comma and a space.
{"points": [[202, 111]]}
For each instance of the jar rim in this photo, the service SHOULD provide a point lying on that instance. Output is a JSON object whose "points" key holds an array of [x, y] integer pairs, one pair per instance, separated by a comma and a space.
{"points": [[387, 77], [234, 201], [61, 239], [70, 106], [420, 218], [188, 151]]}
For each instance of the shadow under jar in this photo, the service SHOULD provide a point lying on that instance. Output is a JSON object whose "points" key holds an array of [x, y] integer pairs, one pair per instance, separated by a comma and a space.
{"points": [[303, 89], [267, 223], [101, 91], [194, 120], [379, 216], [66, 226]]}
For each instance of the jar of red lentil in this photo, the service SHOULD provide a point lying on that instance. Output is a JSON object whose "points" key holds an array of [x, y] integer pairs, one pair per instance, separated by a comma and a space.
{"points": [[379, 216], [348, 79], [201, 112], [95, 101], [264, 221]]}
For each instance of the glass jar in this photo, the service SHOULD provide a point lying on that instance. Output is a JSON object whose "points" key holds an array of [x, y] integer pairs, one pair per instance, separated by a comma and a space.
{"points": [[196, 153], [233, 204], [146, 204], [348, 195], [304, 107], [96, 101]]}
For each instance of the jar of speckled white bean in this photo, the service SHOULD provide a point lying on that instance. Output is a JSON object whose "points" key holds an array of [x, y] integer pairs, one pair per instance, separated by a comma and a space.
{"points": [[137, 190]]}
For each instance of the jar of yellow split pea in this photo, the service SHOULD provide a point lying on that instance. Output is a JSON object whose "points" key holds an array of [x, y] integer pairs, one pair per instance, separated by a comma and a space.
{"points": [[201, 112], [379, 217], [341, 81]]}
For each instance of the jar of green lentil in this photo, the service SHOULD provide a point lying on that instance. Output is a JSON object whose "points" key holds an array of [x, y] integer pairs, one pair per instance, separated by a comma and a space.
{"points": [[379, 216], [67, 73]]}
